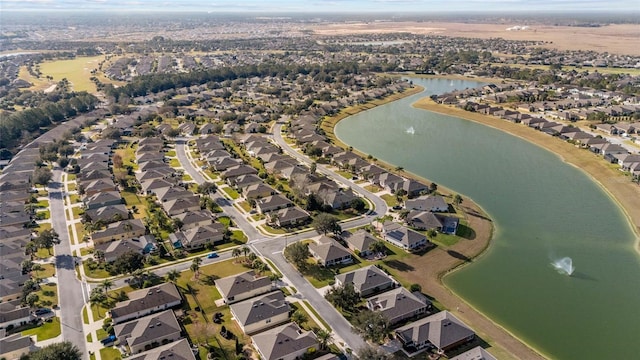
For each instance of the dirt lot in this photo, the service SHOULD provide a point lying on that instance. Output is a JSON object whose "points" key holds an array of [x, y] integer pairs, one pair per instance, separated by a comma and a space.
{"points": [[615, 39]]}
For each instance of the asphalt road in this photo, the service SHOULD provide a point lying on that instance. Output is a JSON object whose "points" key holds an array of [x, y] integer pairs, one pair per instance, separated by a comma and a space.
{"points": [[271, 247], [70, 289]]}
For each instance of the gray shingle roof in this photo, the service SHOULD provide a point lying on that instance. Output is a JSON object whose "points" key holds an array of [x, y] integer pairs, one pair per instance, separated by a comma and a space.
{"points": [[242, 283], [283, 340], [144, 299], [260, 308], [177, 350], [366, 278], [441, 329]]}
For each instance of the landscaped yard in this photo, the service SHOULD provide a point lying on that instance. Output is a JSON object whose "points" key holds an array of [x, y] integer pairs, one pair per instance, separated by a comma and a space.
{"points": [[72, 186], [110, 353], [48, 295], [202, 294], [245, 206], [309, 324], [48, 330], [238, 237], [80, 231], [373, 188], [174, 163], [391, 200], [42, 227], [231, 192]]}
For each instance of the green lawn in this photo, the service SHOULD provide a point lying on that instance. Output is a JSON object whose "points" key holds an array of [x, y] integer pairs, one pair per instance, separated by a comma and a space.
{"points": [[43, 203], [326, 325], [128, 155], [373, 188], [71, 177], [89, 338], [345, 174], [391, 200], [174, 163], [101, 334], [204, 293], [186, 177], [80, 231], [85, 315], [48, 295], [48, 330], [170, 153], [43, 215], [231, 192], [98, 273], [77, 71], [238, 237], [72, 186], [309, 324], [272, 230], [44, 253], [47, 271], [110, 353], [75, 198], [77, 211], [42, 227], [245, 206]]}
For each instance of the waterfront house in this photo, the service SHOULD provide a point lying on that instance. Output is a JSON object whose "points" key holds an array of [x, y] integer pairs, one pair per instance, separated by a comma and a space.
{"points": [[399, 304], [442, 331], [366, 281]]}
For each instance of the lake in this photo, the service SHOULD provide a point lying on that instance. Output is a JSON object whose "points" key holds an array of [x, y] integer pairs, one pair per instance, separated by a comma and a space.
{"points": [[543, 210]]}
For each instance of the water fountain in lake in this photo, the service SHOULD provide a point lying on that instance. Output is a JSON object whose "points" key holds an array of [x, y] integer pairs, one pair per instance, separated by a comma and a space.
{"points": [[564, 266], [410, 130]]}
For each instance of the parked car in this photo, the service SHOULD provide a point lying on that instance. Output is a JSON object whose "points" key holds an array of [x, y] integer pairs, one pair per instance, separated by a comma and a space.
{"points": [[42, 311], [108, 340], [212, 255]]}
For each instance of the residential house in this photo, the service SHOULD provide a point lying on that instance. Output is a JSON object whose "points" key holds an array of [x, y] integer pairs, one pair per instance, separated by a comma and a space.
{"points": [[261, 312], [257, 191], [14, 346], [99, 185], [390, 182], [189, 202], [177, 350], [152, 186], [403, 237], [399, 304], [149, 332], [271, 203], [360, 242], [243, 181], [112, 250], [243, 286], [108, 214], [198, 237], [433, 203], [366, 281], [192, 219], [102, 199], [338, 199], [442, 331], [477, 353], [12, 315], [286, 342], [414, 188], [119, 230], [175, 192], [329, 253], [238, 170], [288, 217], [423, 220], [146, 301]]}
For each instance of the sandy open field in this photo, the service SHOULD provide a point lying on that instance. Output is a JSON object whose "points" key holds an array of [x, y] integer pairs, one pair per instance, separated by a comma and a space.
{"points": [[615, 39]]}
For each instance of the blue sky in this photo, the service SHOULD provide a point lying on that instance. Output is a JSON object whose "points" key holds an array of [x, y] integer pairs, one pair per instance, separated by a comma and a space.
{"points": [[340, 6]]}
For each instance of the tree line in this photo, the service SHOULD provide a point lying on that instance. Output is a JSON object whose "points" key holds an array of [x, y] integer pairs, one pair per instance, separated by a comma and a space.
{"points": [[22, 126]]}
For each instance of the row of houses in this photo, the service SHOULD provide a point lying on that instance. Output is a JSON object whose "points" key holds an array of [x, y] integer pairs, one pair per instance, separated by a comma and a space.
{"points": [[146, 325], [613, 153], [441, 331], [261, 310], [278, 209]]}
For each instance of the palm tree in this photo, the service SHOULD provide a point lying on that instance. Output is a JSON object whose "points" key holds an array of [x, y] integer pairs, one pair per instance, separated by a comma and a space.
{"points": [[324, 337], [245, 251], [31, 249], [106, 285], [97, 298], [236, 252], [457, 199], [298, 317], [195, 266], [36, 268], [173, 275]]}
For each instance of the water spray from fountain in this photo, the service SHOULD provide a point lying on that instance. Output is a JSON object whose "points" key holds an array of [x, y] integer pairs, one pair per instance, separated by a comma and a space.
{"points": [[410, 130], [564, 266]]}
